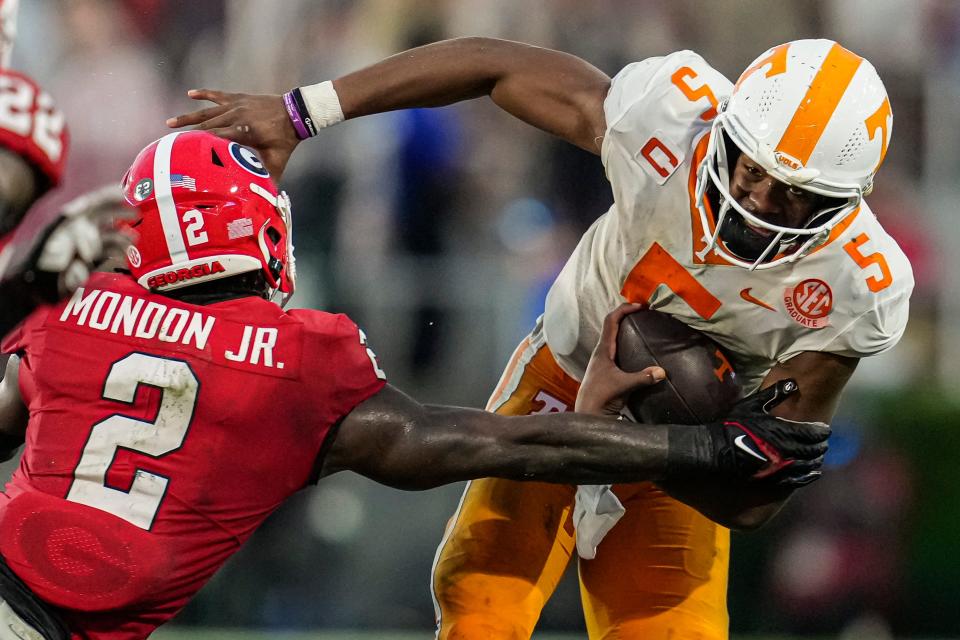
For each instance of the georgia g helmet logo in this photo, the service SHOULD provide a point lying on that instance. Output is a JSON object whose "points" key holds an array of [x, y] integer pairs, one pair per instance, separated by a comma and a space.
{"points": [[247, 158]]}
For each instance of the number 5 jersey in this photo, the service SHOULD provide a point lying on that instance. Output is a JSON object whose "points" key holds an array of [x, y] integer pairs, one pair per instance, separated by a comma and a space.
{"points": [[849, 296], [161, 434]]}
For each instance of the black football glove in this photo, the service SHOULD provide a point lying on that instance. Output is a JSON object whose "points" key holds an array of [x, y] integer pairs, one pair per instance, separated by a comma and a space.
{"points": [[751, 444]]}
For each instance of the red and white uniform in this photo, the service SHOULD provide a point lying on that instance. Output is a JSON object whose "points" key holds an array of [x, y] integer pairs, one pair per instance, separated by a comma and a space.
{"points": [[161, 435], [850, 296]]}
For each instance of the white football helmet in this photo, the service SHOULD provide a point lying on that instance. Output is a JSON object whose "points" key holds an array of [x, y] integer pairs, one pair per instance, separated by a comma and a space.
{"points": [[815, 116]]}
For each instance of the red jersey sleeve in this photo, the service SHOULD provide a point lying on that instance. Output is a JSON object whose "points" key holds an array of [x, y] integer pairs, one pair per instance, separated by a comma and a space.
{"points": [[18, 339], [340, 347]]}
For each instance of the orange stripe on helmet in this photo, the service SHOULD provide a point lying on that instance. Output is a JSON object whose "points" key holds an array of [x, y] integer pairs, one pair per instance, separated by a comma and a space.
{"points": [[819, 103]]}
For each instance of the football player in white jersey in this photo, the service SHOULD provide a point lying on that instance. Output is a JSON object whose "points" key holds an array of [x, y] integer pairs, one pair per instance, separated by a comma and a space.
{"points": [[738, 209]]}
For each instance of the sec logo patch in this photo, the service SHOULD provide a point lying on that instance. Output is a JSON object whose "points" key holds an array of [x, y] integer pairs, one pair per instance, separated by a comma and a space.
{"points": [[133, 255], [809, 303]]}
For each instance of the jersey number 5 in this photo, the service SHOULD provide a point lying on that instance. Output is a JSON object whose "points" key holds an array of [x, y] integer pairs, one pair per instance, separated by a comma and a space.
{"points": [[875, 283], [139, 504]]}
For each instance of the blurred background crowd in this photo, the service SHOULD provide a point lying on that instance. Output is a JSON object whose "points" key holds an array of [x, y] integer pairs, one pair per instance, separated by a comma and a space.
{"points": [[439, 231]]}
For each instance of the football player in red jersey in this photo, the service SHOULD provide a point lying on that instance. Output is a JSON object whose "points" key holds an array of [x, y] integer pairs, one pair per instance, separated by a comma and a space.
{"points": [[168, 412]]}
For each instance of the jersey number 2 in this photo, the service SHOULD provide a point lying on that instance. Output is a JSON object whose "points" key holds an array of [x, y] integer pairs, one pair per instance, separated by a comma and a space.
{"points": [[179, 386]]}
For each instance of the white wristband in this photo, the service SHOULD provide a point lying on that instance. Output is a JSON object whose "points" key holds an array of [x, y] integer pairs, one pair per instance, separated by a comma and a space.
{"points": [[323, 104]]}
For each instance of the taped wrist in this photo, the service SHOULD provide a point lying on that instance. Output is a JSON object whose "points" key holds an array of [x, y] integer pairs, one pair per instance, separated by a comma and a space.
{"points": [[320, 105]]}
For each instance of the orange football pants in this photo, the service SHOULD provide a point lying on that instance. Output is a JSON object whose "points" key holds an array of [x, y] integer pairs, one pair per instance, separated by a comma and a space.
{"points": [[659, 574]]}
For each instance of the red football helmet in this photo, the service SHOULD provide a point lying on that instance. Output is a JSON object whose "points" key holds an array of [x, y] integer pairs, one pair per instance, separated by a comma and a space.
{"points": [[32, 126], [207, 210]]}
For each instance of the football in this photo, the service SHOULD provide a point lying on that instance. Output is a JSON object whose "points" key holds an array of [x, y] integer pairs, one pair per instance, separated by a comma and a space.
{"points": [[701, 384]]}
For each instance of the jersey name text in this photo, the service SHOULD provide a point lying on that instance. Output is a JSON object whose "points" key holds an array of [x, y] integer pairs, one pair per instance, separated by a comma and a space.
{"points": [[135, 317]]}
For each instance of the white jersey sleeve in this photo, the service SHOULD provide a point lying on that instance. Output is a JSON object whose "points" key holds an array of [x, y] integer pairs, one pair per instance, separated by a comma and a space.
{"points": [[654, 109], [880, 316]]}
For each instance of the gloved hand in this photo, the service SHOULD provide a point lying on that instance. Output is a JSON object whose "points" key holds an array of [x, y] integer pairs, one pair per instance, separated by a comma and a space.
{"points": [[55, 257], [751, 444]]}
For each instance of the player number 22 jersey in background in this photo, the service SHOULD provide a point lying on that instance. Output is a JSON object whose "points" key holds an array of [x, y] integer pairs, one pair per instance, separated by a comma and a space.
{"points": [[849, 297], [161, 435]]}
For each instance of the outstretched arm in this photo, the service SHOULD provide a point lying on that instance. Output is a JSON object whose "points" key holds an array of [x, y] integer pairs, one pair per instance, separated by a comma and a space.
{"points": [[551, 90], [399, 442], [394, 440]]}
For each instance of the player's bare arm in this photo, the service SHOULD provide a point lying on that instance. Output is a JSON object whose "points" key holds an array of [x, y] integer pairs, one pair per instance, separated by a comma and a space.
{"points": [[821, 378], [396, 441], [554, 91], [13, 413]]}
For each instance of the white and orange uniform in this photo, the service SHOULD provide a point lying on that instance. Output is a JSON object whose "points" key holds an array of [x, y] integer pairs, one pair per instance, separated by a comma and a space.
{"points": [[661, 572]]}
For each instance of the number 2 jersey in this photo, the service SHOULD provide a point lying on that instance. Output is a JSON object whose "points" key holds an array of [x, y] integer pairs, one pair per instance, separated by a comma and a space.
{"points": [[161, 435], [849, 297]]}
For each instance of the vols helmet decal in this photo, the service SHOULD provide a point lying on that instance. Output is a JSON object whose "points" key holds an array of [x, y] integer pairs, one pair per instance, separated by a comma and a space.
{"points": [[203, 218], [816, 117]]}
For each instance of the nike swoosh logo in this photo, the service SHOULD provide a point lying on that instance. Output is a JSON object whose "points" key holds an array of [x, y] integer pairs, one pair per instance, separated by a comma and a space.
{"points": [[745, 294], [739, 442]]}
